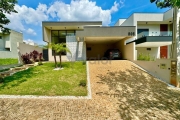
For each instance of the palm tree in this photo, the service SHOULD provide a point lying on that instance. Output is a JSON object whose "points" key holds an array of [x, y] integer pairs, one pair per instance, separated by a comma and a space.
{"points": [[60, 48], [53, 47]]}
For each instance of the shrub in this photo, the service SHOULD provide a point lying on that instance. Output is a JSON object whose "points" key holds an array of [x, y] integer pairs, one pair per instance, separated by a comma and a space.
{"points": [[32, 57], [84, 62], [147, 57], [82, 83]]}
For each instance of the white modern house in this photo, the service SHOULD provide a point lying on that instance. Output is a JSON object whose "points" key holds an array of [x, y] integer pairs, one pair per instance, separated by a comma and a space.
{"points": [[154, 32], [88, 39]]}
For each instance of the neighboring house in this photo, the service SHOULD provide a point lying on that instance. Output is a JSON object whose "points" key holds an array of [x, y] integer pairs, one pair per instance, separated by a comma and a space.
{"points": [[154, 32], [8, 44], [88, 40]]}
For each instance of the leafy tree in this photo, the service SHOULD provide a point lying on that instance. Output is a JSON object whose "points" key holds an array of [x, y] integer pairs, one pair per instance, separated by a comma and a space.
{"points": [[58, 48], [6, 7], [166, 3]]}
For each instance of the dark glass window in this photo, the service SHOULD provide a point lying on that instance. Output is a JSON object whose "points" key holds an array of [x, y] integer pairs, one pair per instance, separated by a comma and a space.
{"points": [[59, 36], [0, 37]]}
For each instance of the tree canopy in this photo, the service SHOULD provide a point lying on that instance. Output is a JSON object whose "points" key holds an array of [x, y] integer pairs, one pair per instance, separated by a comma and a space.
{"points": [[166, 3], [6, 7]]}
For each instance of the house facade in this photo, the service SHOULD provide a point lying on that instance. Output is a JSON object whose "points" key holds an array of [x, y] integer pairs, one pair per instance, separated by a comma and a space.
{"points": [[154, 32], [88, 40], [146, 33], [8, 44]]}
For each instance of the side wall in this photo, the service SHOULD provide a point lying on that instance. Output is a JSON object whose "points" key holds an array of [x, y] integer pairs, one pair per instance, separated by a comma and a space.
{"points": [[154, 67], [25, 48]]}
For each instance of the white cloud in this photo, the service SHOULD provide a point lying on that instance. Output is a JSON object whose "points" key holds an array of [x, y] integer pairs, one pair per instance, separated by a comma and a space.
{"points": [[82, 10], [27, 15], [31, 31]]}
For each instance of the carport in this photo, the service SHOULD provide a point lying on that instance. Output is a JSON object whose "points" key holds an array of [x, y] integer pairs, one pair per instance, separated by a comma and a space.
{"points": [[99, 39]]}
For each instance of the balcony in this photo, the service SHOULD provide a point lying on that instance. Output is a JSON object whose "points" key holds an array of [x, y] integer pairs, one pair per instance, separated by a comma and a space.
{"points": [[155, 33]]}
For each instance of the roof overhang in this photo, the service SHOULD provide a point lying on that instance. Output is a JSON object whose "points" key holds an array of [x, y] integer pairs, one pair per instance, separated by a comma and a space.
{"points": [[153, 41], [70, 25]]}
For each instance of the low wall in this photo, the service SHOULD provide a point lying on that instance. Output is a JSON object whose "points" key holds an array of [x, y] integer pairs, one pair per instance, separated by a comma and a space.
{"points": [[156, 68], [25, 48]]}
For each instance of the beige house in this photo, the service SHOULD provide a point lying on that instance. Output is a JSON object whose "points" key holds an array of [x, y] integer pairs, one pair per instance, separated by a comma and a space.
{"points": [[89, 40]]}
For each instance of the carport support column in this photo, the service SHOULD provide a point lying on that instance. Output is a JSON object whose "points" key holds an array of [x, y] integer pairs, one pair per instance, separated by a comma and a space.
{"points": [[81, 49]]}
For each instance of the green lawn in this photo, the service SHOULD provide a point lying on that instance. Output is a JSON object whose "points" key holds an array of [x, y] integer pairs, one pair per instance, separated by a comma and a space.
{"points": [[43, 80], [8, 61]]}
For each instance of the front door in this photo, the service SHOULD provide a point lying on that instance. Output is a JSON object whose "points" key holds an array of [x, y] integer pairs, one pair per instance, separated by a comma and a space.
{"points": [[164, 51]]}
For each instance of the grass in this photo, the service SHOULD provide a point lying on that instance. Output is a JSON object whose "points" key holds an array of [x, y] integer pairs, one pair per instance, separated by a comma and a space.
{"points": [[8, 61], [43, 80]]}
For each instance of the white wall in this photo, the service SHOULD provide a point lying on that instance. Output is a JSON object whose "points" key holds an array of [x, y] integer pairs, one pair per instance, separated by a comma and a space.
{"points": [[154, 29], [25, 48], [119, 22], [154, 52], [154, 68]]}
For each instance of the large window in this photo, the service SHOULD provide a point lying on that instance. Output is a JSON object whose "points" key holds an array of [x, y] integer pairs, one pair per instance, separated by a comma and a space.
{"points": [[59, 36]]}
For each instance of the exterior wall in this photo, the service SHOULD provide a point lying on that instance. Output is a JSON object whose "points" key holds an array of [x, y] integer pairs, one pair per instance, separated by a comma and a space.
{"points": [[154, 30], [78, 50], [47, 34], [168, 14], [2, 43], [154, 68], [105, 31], [129, 51], [72, 45], [129, 22], [154, 52], [13, 38], [25, 48], [119, 22]]}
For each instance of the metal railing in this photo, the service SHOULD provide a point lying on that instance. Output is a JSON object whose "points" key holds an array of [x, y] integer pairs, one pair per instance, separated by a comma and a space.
{"points": [[156, 33]]}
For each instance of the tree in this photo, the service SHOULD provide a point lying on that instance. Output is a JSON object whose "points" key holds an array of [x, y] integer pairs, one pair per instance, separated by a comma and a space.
{"points": [[60, 48], [6, 7], [53, 47], [166, 3]]}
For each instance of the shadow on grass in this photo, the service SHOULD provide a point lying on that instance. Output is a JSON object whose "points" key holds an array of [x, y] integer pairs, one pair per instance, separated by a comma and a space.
{"points": [[16, 79], [140, 95]]}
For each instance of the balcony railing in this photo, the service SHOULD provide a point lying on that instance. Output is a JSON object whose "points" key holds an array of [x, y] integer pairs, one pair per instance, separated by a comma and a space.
{"points": [[158, 33]]}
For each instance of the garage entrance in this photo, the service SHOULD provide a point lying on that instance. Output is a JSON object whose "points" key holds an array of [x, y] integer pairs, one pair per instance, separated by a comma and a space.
{"points": [[100, 48]]}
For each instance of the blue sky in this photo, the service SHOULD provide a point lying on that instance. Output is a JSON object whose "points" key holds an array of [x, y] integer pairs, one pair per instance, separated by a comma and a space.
{"points": [[31, 13]]}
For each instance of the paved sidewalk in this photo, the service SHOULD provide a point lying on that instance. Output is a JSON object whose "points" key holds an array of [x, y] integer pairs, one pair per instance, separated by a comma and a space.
{"points": [[2, 67]]}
